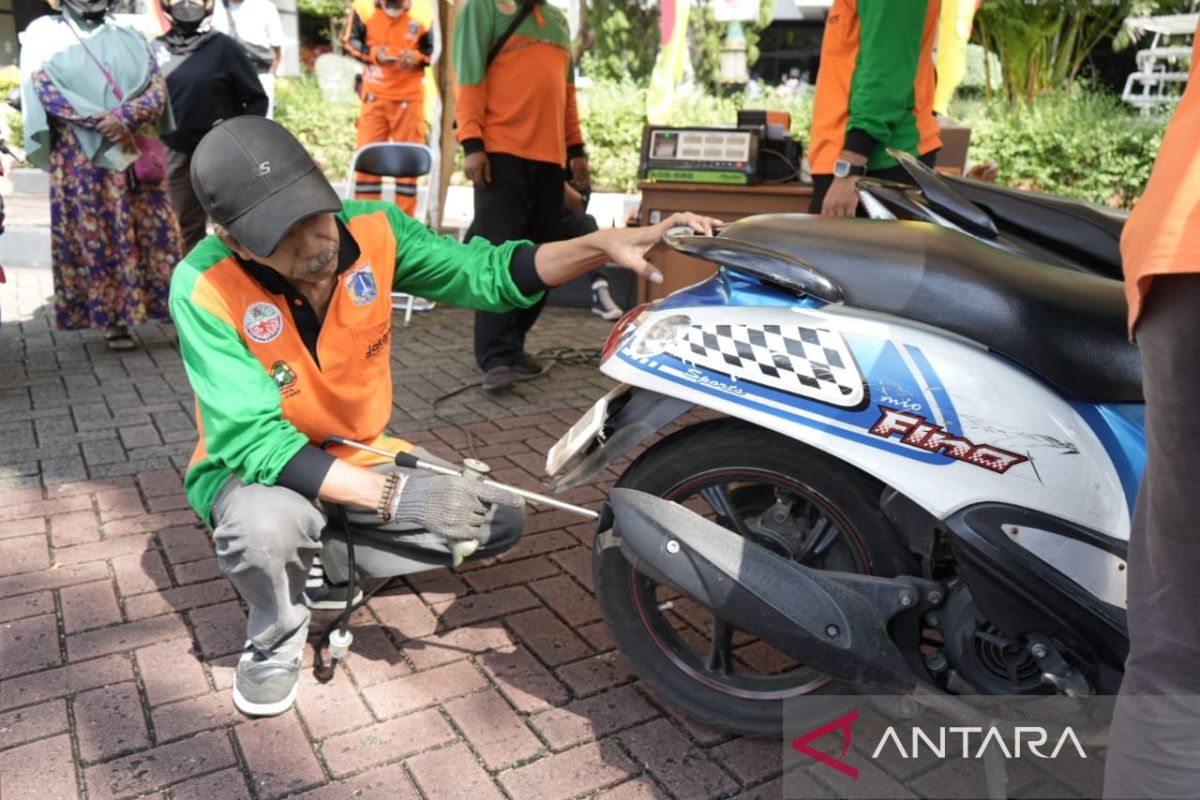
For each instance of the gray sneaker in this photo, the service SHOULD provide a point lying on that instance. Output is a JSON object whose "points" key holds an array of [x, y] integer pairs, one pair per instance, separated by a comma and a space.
{"points": [[265, 684]]}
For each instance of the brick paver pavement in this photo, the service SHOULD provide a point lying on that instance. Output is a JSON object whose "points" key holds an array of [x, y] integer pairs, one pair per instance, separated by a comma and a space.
{"points": [[118, 635]]}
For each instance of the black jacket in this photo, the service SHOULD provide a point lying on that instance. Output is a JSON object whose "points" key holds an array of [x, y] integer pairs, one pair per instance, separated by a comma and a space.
{"points": [[213, 82]]}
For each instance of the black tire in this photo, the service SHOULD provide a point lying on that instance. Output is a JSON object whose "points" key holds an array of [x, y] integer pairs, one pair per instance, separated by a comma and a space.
{"points": [[703, 458]]}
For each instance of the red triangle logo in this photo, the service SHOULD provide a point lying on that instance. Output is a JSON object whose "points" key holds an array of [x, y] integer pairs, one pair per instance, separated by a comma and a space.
{"points": [[844, 724]]}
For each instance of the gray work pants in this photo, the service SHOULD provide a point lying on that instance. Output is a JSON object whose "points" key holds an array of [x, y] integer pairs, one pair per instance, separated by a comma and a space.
{"points": [[1155, 736], [266, 537]]}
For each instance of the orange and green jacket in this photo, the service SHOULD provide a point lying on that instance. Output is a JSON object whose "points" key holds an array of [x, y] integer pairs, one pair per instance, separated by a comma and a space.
{"points": [[1162, 234], [876, 82], [524, 103], [366, 33], [272, 382]]}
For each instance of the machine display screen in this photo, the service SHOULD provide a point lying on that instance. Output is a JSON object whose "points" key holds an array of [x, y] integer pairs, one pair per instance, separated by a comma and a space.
{"points": [[701, 146]]}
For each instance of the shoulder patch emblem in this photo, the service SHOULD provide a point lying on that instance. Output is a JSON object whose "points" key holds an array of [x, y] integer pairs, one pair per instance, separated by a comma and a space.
{"points": [[263, 322], [506, 6], [360, 283]]}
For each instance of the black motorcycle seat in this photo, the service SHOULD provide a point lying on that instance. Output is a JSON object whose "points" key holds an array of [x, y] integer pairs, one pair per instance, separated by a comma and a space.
{"points": [[1090, 232], [1067, 327]]}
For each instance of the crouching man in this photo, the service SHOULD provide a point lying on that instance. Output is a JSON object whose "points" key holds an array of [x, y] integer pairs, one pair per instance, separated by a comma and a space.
{"points": [[284, 321]]}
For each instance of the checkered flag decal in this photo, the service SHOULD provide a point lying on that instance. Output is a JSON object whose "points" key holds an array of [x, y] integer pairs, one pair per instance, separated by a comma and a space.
{"points": [[810, 362]]}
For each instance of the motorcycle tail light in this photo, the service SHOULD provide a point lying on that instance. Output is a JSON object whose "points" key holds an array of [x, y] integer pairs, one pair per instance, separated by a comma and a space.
{"points": [[665, 332], [624, 328]]}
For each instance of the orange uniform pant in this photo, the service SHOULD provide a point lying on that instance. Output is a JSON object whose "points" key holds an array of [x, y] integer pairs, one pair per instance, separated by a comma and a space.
{"points": [[389, 121]]}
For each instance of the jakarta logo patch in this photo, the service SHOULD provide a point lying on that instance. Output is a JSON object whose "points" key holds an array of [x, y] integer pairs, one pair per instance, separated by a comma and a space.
{"points": [[506, 6], [282, 374], [360, 283], [263, 322]]}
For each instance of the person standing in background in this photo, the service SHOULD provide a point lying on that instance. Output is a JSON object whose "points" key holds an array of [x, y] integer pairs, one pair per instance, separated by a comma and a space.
{"points": [[1154, 750], [210, 79], [92, 96], [874, 91], [394, 49], [256, 26], [519, 126]]}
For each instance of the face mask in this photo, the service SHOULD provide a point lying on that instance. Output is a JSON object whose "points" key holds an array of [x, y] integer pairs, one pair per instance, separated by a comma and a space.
{"points": [[88, 10], [392, 12], [187, 15]]}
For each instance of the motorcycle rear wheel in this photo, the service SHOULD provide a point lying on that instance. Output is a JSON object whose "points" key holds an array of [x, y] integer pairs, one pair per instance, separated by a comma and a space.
{"points": [[743, 477]]}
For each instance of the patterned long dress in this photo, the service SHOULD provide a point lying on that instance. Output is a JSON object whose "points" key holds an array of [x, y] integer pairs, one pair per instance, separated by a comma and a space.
{"points": [[114, 240]]}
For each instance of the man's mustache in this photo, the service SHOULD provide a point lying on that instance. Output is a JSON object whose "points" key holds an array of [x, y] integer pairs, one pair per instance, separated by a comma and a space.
{"points": [[318, 264]]}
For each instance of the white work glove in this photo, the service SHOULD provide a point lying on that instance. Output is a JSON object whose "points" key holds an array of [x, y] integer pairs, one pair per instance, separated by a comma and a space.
{"points": [[455, 508]]}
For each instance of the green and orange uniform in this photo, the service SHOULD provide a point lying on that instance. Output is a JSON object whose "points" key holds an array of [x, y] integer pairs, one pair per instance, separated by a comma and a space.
{"points": [[523, 103], [519, 109], [876, 83], [272, 382], [393, 95]]}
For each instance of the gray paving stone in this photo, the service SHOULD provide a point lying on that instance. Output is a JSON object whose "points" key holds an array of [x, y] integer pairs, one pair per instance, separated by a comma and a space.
{"points": [[171, 421], [63, 470], [18, 435], [118, 468], [139, 436], [108, 452], [55, 429]]}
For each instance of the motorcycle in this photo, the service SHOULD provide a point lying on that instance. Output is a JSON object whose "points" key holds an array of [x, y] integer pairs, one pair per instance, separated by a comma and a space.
{"points": [[918, 477], [1056, 230]]}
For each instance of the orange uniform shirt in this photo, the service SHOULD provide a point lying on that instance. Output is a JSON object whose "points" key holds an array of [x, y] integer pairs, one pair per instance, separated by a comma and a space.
{"points": [[523, 103], [1162, 235], [389, 81]]}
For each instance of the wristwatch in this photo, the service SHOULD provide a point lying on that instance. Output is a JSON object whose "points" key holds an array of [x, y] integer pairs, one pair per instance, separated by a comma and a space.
{"points": [[844, 169]]}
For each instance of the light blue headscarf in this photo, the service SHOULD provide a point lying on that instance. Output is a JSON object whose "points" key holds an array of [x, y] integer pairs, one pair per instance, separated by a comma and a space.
{"points": [[51, 45]]}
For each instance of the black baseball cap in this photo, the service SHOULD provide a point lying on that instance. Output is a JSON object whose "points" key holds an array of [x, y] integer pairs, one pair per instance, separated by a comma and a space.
{"points": [[254, 179]]}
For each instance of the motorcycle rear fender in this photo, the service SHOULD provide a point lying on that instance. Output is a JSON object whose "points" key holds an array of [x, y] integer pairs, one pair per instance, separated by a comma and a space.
{"points": [[641, 415]]}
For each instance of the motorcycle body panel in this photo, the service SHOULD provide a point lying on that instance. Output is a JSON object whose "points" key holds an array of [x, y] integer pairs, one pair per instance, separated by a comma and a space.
{"points": [[935, 416]]}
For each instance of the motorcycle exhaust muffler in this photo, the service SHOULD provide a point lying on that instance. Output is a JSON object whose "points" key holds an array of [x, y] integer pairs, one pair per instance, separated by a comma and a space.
{"points": [[835, 622]]}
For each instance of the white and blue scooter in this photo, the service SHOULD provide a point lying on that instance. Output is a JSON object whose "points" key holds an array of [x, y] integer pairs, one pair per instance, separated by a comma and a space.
{"points": [[913, 471]]}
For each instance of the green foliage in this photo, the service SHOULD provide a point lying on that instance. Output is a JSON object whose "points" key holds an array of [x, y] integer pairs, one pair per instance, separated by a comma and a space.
{"points": [[16, 131], [14, 122], [976, 76], [322, 8], [1075, 143], [1043, 44], [613, 114], [706, 37], [326, 129], [622, 40], [334, 12]]}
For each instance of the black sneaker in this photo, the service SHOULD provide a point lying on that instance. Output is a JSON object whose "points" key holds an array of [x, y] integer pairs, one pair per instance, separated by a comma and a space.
{"points": [[499, 378], [526, 366], [320, 594]]}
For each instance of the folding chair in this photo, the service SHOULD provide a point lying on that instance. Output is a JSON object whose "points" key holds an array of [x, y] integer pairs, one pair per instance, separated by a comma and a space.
{"points": [[394, 160]]}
